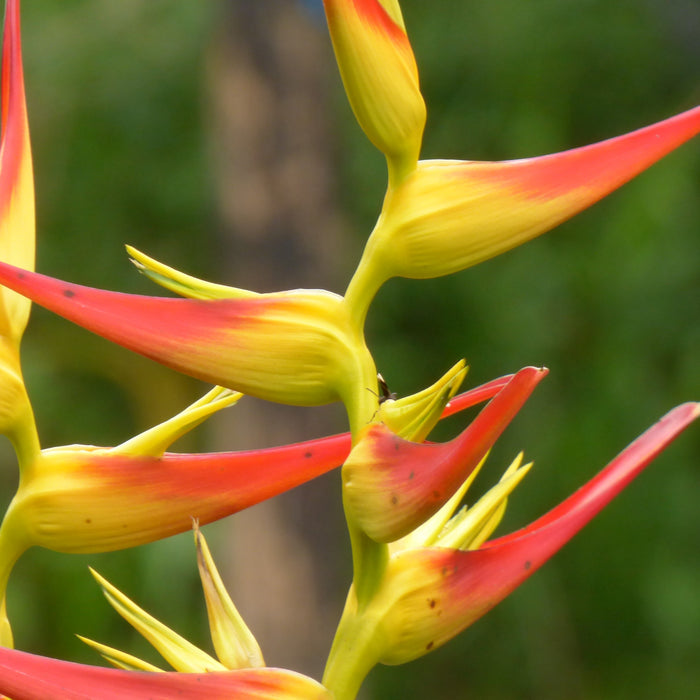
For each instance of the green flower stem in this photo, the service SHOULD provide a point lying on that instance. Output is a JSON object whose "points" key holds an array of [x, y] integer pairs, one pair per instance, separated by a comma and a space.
{"points": [[369, 276], [399, 168], [369, 557], [12, 546], [353, 654], [369, 560], [24, 436], [350, 659]]}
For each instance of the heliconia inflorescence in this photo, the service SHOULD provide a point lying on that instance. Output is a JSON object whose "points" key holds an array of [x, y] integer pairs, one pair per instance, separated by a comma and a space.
{"points": [[425, 566]]}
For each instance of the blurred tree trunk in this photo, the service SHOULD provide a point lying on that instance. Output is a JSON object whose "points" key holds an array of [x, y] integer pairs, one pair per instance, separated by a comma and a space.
{"points": [[269, 68]]}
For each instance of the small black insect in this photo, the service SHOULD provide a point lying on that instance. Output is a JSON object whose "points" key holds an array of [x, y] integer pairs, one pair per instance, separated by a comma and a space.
{"points": [[386, 395]]}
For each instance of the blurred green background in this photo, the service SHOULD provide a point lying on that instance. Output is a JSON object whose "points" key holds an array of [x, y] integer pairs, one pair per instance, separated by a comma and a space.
{"points": [[119, 97]]}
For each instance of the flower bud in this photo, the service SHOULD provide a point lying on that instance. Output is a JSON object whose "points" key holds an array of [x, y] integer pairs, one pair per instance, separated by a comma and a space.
{"points": [[380, 75]]}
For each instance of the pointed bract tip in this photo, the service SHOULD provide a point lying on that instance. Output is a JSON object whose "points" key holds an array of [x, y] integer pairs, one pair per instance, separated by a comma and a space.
{"points": [[392, 485]]}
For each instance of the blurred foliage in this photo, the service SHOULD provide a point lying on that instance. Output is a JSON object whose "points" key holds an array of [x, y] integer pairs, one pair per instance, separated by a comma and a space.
{"points": [[609, 301]]}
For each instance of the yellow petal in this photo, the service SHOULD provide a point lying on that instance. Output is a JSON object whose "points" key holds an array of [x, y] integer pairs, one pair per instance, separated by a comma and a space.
{"points": [[120, 659], [483, 517], [176, 650], [154, 442], [234, 643], [413, 417], [182, 284]]}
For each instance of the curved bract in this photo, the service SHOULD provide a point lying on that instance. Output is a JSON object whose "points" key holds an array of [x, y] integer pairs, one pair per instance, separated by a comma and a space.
{"points": [[449, 215], [29, 677], [298, 347]]}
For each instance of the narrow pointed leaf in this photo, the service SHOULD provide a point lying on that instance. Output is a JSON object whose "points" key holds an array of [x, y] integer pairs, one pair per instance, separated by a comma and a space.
{"points": [[120, 659], [234, 643], [413, 417], [481, 515], [154, 442], [182, 284]]}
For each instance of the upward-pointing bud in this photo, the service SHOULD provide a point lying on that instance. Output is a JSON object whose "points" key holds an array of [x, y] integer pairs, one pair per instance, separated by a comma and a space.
{"points": [[380, 76]]}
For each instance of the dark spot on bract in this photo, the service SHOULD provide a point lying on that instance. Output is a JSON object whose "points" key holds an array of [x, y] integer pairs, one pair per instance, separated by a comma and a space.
{"points": [[429, 646], [528, 564], [436, 495], [88, 520], [394, 500], [308, 455], [21, 275], [411, 475], [68, 293], [432, 602]]}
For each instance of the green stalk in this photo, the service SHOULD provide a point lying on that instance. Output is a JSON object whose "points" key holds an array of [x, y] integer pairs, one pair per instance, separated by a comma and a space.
{"points": [[24, 435], [353, 654]]}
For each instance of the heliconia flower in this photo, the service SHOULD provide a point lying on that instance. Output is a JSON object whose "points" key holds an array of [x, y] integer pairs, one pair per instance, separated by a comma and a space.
{"points": [[299, 347], [29, 677], [434, 588], [81, 498], [449, 215], [391, 485], [380, 76]]}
